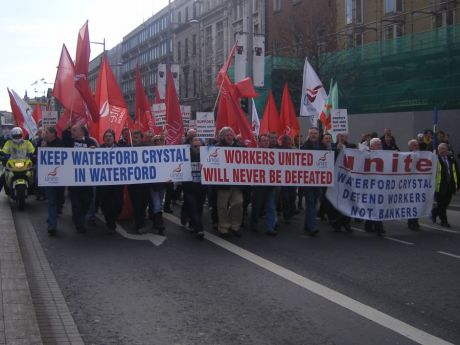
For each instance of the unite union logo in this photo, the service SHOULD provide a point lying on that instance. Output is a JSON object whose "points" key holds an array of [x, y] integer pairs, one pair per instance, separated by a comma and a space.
{"points": [[322, 161], [177, 174], [213, 157], [52, 177]]}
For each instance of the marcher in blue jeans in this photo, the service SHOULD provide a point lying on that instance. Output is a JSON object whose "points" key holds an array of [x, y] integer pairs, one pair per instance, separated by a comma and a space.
{"points": [[312, 195], [55, 198], [263, 198]]}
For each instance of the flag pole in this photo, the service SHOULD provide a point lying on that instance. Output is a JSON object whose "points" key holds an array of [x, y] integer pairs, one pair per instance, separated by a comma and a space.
{"points": [[435, 125], [218, 95]]}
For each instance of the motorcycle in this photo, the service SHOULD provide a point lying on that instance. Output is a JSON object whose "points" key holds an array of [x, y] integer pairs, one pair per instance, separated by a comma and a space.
{"points": [[19, 180]]}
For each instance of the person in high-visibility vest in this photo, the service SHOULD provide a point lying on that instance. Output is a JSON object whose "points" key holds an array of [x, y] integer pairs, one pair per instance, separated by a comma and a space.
{"points": [[447, 183]]}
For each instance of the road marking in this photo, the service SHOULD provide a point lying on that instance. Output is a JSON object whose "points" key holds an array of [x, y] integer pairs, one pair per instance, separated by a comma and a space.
{"points": [[342, 300], [386, 237], [433, 227], [155, 239], [449, 254]]}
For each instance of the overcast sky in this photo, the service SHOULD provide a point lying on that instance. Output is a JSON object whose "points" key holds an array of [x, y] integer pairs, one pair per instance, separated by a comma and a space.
{"points": [[32, 34]]}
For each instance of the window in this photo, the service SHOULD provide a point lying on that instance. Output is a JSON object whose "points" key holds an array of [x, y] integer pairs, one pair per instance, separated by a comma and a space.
{"points": [[393, 31], [353, 11], [444, 18], [186, 83], [276, 5], [194, 45], [179, 56], [179, 17], [220, 36], [194, 83], [393, 6], [186, 50]]}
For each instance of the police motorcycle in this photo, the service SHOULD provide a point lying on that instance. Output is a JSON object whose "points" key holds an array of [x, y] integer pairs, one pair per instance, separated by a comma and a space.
{"points": [[18, 170]]}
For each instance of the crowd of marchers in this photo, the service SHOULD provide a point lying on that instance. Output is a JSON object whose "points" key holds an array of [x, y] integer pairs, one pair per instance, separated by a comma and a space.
{"points": [[228, 205]]}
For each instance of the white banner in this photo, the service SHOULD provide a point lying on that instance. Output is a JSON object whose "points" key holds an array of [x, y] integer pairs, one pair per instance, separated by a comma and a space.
{"points": [[262, 167], [186, 112], [384, 185], [339, 121], [241, 56], [258, 62], [161, 80], [175, 70], [205, 125], [49, 118], [159, 112], [192, 124], [120, 165]]}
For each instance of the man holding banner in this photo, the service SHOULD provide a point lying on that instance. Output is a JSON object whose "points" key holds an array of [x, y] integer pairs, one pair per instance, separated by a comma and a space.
{"points": [[229, 198]]}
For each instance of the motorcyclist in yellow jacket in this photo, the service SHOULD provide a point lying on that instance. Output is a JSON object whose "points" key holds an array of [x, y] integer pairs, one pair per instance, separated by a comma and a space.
{"points": [[15, 148]]}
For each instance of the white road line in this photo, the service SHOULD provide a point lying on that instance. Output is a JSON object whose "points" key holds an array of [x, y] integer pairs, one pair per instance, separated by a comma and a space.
{"points": [[402, 328], [386, 237], [433, 227], [155, 239], [449, 254]]}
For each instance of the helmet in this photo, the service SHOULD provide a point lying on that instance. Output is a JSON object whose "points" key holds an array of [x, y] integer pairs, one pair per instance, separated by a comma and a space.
{"points": [[16, 133]]}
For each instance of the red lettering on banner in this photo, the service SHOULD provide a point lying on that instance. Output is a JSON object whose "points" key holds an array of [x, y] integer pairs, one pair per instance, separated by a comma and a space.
{"points": [[215, 175], [248, 175], [295, 158], [308, 177], [250, 157], [424, 165], [275, 176], [378, 164]]}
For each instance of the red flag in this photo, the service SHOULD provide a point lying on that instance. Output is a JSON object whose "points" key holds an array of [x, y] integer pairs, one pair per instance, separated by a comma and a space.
{"points": [[229, 111], [174, 123], [143, 118], [37, 114], [112, 105], [66, 93], [246, 89], [81, 71], [289, 123], [270, 119], [156, 92]]}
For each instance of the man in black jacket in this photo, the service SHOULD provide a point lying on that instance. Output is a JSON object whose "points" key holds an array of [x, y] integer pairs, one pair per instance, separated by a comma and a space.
{"points": [[312, 194], [80, 196]]}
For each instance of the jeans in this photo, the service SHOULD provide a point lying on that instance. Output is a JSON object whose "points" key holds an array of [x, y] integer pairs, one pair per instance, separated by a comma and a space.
{"points": [[55, 198], [312, 194], [81, 198], [156, 199], [193, 206], [263, 196]]}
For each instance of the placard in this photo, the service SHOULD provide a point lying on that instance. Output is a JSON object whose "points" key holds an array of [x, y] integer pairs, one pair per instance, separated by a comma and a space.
{"points": [[49, 118], [205, 125], [159, 112], [339, 121]]}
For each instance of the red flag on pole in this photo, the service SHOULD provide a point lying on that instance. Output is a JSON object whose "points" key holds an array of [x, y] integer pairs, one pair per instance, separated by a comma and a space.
{"points": [[229, 111], [81, 71], [143, 118], [289, 123], [37, 113], [270, 119], [112, 105], [156, 92], [174, 123], [65, 92]]}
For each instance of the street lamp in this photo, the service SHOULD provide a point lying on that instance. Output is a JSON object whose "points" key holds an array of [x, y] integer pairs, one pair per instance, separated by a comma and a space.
{"points": [[200, 93], [100, 43]]}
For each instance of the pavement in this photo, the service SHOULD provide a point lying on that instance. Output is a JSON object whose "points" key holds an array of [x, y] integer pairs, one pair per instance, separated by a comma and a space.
{"points": [[33, 309], [18, 322]]}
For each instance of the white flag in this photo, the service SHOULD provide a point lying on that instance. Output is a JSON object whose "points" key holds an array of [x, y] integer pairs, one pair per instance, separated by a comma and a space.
{"points": [[255, 118], [161, 80], [26, 112], [258, 61], [241, 57], [313, 94]]}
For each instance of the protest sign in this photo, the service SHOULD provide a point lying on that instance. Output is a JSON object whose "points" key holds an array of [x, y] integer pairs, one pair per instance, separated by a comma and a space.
{"points": [[339, 121], [205, 126], [186, 112], [120, 165], [262, 167], [159, 112], [384, 185], [49, 118]]}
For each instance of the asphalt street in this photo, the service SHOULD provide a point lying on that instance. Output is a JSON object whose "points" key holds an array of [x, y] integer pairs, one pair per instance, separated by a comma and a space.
{"points": [[260, 290]]}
